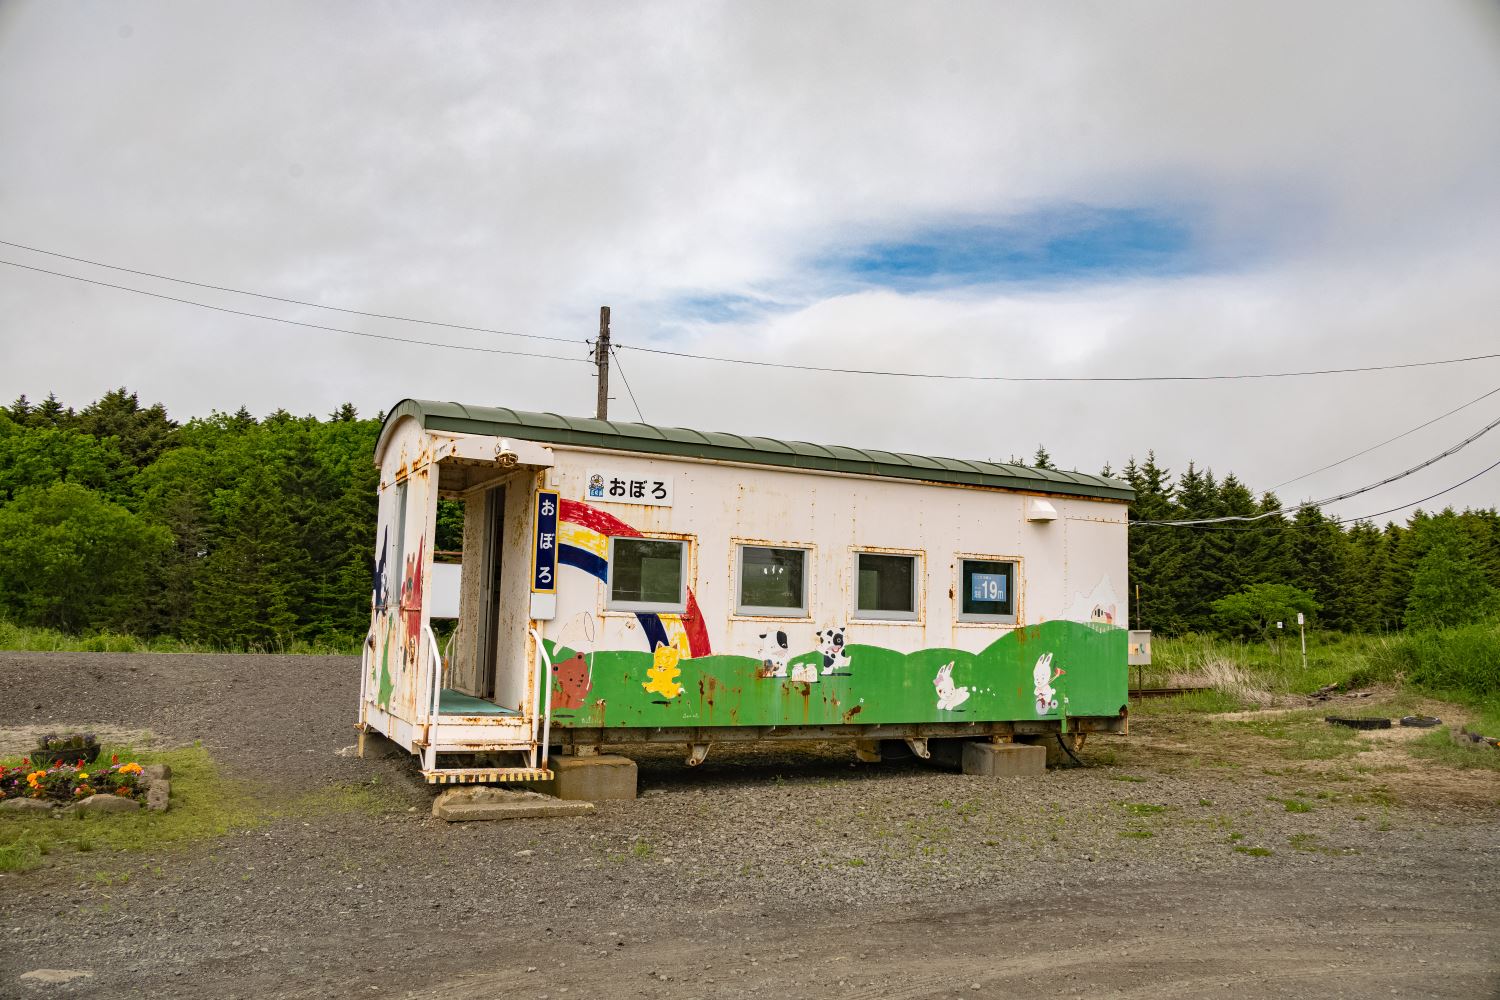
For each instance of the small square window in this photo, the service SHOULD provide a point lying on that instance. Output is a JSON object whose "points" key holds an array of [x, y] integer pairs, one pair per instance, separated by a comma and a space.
{"points": [[647, 574], [988, 589], [772, 581], [886, 586]]}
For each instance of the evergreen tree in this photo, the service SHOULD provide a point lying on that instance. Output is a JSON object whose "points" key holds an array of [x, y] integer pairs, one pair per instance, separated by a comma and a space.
{"points": [[1449, 586], [244, 595], [1322, 565], [141, 434], [1154, 554], [1042, 460]]}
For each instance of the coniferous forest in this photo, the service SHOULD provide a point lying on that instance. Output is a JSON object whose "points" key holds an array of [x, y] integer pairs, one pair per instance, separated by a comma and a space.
{"points": [[256, 533]]}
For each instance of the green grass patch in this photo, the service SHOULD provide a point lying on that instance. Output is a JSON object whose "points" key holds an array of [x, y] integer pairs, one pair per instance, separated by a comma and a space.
{"points": [[1304, 736], [1210, 702], [25, 638], [1254, 852], [1438, 746], [204, 806], [1293, 805], [1142, 808]]}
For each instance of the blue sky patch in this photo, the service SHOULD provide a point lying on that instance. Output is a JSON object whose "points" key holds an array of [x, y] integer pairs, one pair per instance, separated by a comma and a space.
{"points": [[1050, 246]]}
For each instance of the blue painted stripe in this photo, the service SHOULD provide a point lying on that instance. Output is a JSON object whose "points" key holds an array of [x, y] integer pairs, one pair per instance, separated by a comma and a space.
{"points": [[572, 555], [656, 632]]}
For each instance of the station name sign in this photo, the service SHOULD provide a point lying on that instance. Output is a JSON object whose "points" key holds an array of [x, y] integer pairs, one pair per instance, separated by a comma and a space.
{"points": [[605, 486], [544, 547]]}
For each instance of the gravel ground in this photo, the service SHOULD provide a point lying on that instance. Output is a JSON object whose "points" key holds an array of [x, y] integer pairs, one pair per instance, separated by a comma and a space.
{"points": [[791, 870]]}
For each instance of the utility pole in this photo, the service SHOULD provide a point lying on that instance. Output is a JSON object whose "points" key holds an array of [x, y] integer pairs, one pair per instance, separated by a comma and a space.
{"points": [[601, 359]]}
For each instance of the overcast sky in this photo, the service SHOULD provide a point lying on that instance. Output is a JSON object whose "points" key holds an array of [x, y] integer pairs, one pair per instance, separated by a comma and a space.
{"points": [[981, 188]]}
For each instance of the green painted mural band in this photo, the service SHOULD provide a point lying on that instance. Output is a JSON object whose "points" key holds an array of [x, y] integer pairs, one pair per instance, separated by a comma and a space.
{"points": [[1025, 674]]}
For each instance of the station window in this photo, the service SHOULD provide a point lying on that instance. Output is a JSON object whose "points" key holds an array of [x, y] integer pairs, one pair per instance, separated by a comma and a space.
{"points": [[772, 581], [988, 589], [647, 574], [886, 585]]}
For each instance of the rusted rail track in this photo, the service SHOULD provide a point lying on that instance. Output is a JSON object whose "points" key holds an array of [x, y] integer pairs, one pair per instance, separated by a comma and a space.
{"points": [[1164, 692]]}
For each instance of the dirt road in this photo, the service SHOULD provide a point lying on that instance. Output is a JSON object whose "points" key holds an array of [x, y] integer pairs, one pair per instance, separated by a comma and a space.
{"points": [[1165, 871]]}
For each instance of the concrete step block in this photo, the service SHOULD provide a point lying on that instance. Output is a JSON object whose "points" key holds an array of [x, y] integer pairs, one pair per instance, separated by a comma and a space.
{"points": [[590, 779], [483, 802], [1005, 760]]}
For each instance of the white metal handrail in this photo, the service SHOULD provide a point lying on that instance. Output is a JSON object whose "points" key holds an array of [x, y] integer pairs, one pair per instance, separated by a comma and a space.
{"points": [[435, 658], [543, 702]]}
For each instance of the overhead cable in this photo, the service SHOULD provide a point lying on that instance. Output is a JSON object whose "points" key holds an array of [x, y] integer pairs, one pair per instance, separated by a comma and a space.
{"points": [[281, 298], [1342, 496], [297, 322], [1373, 447], [946, 376], [616, 355], [1332, 520]]}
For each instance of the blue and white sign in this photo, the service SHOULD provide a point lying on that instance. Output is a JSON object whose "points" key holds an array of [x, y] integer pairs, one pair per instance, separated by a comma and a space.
{"points": [[544, 547], [988, 587], [613, 486]]}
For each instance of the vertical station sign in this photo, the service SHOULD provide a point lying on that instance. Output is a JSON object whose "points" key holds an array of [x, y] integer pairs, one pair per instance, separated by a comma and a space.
{"points": [[544, 544]]}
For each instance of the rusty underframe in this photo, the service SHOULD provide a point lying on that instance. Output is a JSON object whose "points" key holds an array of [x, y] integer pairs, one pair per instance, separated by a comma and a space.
{"points": [[584, 741]]}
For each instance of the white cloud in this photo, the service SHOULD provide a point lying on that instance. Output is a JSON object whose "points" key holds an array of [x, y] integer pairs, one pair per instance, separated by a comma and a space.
{"points": [[516, 166]]}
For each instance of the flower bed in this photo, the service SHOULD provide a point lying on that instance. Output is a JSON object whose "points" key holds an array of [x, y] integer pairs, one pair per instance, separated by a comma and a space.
{"points": [[64, 783]]}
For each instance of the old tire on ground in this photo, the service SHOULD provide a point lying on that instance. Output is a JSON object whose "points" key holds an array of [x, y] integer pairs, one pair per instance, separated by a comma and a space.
{"points": [[1420, 721], [1359, 723]]}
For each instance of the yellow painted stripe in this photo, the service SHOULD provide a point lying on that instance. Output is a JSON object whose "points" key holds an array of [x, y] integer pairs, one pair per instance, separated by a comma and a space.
{"points": [[676, 633], [584, 538]]}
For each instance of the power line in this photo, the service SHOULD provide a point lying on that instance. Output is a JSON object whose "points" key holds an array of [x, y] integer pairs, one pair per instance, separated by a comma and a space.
{"points": [[1415, 503], [1382, 444], [296, 322], [1054, 378], [1332, 520], [616, 355], [942, 376], [279, 298], [1342, 496]]}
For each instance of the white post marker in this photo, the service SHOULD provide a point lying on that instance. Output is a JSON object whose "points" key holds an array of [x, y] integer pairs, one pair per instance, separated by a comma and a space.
{"points": [[1301, 627]]}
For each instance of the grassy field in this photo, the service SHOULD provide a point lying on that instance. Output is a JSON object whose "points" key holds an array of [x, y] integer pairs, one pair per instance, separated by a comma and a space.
{"points": [[45, 640], [1454, 674]]}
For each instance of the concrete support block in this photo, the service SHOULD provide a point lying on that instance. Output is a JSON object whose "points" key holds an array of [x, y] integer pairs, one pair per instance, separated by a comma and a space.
{"points": [[481, 802], [1005, 760], [591, 779]]}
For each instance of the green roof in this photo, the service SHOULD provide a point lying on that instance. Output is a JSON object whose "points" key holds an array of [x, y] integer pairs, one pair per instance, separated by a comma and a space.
{"points": [[553, 428]]}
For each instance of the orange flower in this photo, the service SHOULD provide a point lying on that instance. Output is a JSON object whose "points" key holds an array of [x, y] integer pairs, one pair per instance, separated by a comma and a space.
{"points": [[123, 790]]}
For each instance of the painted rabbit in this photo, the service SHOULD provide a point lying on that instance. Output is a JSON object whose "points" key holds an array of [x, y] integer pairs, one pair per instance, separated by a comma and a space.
{"points": [[949, 696], [1042, 675]]}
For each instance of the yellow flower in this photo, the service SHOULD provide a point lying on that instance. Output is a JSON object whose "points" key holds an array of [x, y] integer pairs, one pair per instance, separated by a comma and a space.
{"points": [[131, 768], [83, 776]]}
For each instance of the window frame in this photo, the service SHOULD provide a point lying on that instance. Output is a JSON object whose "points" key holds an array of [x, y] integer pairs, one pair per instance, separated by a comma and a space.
{"points": [[756, 611], [961, 617], [918, 587], [649, 607]]}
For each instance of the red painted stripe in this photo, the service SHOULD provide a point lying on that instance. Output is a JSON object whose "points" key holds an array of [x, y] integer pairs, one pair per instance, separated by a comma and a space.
{"points": [[696, 628], [585, 516]]}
